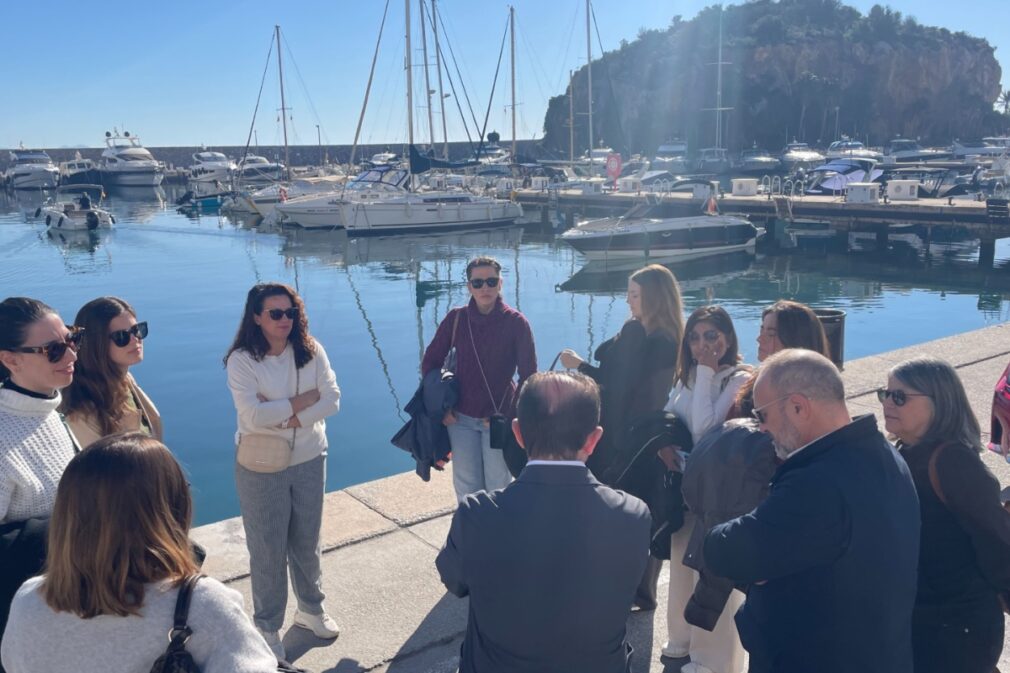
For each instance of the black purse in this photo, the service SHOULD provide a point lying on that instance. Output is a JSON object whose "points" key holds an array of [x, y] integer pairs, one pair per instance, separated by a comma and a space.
{"points": [[176, 658]]}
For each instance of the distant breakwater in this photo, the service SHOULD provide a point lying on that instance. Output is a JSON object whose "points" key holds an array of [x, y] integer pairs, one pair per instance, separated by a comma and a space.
{"points": [[300, 155]]}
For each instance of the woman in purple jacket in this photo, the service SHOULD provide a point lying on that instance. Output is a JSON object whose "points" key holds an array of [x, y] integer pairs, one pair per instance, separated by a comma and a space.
{"points": [[493, 341]]}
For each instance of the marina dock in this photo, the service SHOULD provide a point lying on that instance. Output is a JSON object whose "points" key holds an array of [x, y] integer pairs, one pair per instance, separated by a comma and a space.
{"points": [[380, 540]]}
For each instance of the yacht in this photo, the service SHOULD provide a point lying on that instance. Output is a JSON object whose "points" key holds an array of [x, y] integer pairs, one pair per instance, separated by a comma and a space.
{"points": [[79, 171], [712, 160], [211, 167], [264, 200], [644, 233], [907, 150], [671, 156], [254, 169], [993, 146], [491, 152], [757, 161], [832, 178], [796, 155], [386, 158], [377, 202], [32, 169], [851, 149], [125, 162]]}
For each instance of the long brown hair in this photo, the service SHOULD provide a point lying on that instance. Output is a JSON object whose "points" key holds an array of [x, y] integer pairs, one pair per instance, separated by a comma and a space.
{"points": [[99, 388], [250, 336], [716, 315], [798, 326], [121, 520], [662, 306]]}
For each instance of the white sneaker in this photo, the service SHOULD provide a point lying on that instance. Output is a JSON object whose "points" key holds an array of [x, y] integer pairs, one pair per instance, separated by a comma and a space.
{"points": [[322, 624], [694, 667], [673, 652], [274, 642]]}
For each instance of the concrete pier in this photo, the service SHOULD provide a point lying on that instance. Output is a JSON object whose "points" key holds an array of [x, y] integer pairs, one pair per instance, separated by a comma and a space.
{"points": [[380, 540]]}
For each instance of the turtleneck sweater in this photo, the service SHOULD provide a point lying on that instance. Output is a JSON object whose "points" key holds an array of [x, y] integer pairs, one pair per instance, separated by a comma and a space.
{"points": [[35, 447]]}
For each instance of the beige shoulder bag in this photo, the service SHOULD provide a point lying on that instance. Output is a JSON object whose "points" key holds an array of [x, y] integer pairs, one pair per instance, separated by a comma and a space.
{"points": [[267, 453]]}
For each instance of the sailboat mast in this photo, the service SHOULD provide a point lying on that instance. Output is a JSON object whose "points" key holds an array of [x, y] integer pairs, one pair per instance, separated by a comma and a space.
{"points": [[441, 94], [427, 82], [571, 116], [512, 32], [589, 72], [409, 69], [718, 89], [284, 108]]}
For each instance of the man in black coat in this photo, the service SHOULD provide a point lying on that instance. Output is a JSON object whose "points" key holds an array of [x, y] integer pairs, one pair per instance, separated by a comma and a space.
{"points": [[832, 553], [551, 562]]}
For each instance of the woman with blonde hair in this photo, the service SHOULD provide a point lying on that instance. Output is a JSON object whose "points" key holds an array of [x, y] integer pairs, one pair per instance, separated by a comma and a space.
{"points": [[104, 398], [635, 372], [118, 554]]}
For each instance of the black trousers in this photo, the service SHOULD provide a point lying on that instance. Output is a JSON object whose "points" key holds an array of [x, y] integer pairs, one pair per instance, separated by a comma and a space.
{"points": [[963, 640]]}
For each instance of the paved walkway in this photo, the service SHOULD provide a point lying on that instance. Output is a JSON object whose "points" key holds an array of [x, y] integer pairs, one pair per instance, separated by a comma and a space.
{"points": [[380, 540]]}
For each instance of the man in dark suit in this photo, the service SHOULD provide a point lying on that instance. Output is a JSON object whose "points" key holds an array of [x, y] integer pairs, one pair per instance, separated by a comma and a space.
{"points": [[832, 552], [551, 562]]}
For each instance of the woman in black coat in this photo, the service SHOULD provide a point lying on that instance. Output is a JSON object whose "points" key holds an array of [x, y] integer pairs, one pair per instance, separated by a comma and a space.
{"points": [[635, 373], [964, 551]]}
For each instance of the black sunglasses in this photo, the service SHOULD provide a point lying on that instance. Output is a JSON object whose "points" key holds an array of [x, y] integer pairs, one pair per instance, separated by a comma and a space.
{"points": [[278, 313], [710, 336], [121, 337], [55, 350], [478, 283], [899, 397]]}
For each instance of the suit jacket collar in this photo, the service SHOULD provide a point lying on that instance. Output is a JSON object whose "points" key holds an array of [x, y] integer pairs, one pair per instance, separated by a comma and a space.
{"points": [[557, 474], [861, 429]]}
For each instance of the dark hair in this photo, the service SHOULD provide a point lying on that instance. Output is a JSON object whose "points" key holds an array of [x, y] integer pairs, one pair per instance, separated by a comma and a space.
{"points": [[250, 337], [482, 261], [16, 315], [716, 315], [953, 419], [798, 326], [99, 387], [557, 411], [121, 520]]}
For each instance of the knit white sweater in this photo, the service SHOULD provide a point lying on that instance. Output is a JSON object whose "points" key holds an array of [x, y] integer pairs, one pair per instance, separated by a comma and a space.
{"points": [[35, 447], [704, 403]]}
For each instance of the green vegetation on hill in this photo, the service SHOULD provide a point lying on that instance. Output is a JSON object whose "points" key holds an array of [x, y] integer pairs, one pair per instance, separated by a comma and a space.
{"points": [[797, 68]]}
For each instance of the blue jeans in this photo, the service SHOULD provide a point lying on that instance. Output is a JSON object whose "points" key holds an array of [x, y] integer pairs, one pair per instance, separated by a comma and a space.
{"points": [[475, 465]]}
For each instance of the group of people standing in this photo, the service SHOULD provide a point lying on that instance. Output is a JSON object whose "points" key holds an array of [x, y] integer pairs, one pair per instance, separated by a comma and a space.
{"points": [[793, 531]]}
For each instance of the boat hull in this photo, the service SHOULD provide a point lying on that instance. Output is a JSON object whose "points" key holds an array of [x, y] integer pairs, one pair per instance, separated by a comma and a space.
{"points": [[142, 178], [378, 219], [35, 180], [677, 238]]}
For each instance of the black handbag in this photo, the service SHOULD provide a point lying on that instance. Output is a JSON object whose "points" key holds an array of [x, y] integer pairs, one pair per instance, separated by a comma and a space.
{"points": [[176, 658]]}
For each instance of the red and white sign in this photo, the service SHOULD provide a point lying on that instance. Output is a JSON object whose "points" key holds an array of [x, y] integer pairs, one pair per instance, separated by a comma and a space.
{"points": [[613, 165]]}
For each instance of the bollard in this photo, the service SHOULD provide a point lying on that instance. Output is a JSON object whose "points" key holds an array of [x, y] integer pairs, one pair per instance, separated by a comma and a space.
{"points": [[833, 322]]}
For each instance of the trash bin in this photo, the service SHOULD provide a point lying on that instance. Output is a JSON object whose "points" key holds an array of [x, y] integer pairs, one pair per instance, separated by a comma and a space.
{"points": [[833, 322]]}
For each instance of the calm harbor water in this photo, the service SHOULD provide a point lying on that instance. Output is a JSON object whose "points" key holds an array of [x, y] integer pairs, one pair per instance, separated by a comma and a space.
{"points": [[375, 303]]}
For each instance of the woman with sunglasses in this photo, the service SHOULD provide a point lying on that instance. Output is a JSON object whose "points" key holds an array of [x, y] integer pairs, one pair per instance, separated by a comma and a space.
{"points": [[117, 558], [493, 341], [284, 389], [104, 398], [37, 355], [964, 549], [708, 379]]}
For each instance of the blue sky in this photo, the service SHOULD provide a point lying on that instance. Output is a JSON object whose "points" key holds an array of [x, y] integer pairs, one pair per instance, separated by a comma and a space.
{"points": [[188, 72]]}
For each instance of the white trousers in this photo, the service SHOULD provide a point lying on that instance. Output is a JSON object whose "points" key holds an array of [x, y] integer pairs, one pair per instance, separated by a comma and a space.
{"points": [[718, 651]]}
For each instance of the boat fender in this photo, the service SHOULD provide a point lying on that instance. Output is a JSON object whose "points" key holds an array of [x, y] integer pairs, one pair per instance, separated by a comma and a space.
{"points": [[92, 221], [49, 220], [59, 223], [112, 218], [713, 207], [38, 211]]}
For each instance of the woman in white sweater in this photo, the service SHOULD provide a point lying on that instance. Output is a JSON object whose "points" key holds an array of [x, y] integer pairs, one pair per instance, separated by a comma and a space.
{"points": [[708, 378], [283, 388], [119, 553]]}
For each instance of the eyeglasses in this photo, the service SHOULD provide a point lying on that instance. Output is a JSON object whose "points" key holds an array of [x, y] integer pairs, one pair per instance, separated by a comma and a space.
{"points": [[899, 397], [55, 350], [758, 412], [478, 283], [121, 337], [710, 336], [278, 313]]}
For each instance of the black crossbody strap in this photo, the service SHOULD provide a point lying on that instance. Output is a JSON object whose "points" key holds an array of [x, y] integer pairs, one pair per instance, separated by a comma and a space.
{"points": [[180, 627]]}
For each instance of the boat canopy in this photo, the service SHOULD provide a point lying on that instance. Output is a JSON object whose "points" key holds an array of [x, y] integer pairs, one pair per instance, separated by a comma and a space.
{"points": [[420, 163]]}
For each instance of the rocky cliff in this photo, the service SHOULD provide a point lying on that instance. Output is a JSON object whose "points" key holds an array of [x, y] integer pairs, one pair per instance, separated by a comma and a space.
{"points": [[798, 69]]}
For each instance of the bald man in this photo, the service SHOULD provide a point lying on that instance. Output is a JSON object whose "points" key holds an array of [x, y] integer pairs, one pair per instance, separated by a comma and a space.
{"points": [[551, 562], [832, 553]]}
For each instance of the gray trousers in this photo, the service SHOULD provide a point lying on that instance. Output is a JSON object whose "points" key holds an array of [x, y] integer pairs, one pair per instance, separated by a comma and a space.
{"points": [[282, 513]]}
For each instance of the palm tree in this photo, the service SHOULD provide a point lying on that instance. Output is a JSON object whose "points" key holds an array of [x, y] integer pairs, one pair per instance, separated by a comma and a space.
{"points": [[1004, 100]]}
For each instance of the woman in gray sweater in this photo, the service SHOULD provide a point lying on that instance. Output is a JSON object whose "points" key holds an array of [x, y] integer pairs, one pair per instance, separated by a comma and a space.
{"points": [[118, 552]]}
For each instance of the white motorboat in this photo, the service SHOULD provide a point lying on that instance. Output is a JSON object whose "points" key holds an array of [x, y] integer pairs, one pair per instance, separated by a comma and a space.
{"points": [[255, 169], [377, 202], [902, 150], [211, 167], [79, 171], [712, 160], [992, 146], [757, 161], [832, 178], [851, 149], [492, 153], [795, 156], [125, 162], [263, 201], [671, 156], [643, 233], [32, 169], [78, 215]]}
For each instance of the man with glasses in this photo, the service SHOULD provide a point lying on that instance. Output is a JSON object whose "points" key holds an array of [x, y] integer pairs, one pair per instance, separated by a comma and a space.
{"points": [[831, 554]]}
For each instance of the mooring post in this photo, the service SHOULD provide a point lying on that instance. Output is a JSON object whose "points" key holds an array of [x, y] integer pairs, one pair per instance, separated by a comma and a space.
{"points": [[986, 253]]}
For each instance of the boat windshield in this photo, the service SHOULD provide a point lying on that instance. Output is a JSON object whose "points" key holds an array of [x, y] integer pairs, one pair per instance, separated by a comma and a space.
{"points": [[376, 177], [32, 158], [211, 156]]}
